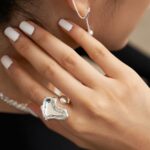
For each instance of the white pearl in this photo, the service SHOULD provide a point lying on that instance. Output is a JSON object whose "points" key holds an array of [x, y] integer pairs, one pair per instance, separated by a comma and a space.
{"points": [[91, 32]]}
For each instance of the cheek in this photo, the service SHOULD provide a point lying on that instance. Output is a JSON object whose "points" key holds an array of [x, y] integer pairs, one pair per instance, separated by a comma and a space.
{"points": [[114, 28], [114, 34], [111, 38], [117, 37]]}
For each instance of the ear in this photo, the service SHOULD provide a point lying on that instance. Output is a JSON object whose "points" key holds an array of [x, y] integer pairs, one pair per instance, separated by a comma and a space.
{"points": [[82, 6]]}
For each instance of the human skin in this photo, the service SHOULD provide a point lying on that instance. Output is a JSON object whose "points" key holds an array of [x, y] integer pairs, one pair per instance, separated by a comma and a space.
{"points": [[116, 21], [113, 108], [117, 113]]}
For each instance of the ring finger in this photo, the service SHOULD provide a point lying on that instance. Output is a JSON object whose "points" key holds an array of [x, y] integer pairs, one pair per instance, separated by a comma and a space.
{"points": [[28, 86], [37, 93]]}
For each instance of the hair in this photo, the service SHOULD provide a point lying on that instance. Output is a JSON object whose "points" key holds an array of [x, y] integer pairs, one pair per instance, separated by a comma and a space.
{"points": [[10, 9], [6, 7]]}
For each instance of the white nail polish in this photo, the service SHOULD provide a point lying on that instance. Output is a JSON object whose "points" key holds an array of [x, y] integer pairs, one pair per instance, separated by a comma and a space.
{"points": [[6, 61], [27, 27], [65, 24], [63, 100], [11, 34], [57, 91]]}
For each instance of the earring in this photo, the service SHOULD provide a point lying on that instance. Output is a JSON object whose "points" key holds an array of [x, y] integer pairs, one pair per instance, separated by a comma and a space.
{"points": [[86, 17]]}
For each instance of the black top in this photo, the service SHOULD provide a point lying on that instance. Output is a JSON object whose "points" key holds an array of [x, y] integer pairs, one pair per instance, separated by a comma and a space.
{"points": [[24, 132]]}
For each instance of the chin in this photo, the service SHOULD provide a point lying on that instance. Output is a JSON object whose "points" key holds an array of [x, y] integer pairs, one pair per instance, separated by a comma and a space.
{"points": [[118, 46], [115, 45]]}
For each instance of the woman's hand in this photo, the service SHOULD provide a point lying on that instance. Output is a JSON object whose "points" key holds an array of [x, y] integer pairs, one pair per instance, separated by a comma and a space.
{"points": [[110, 111]]}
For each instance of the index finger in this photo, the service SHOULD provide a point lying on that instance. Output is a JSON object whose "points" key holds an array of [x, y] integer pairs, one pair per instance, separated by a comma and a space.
{"points": [[111, 65]]}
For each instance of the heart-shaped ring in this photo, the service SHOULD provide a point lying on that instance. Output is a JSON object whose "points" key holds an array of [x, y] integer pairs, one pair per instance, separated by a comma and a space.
{"points": [[50, 110]]}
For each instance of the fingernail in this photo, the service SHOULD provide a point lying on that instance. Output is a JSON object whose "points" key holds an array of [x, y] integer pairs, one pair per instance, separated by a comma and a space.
{"points": [[63, 100], [6, 61], [27, 27], [11, 34], [57, 91], [65, 24]]}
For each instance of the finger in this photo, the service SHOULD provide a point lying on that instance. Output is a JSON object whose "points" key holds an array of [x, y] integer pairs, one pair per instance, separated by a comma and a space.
{"points": [[25, 83], [28, 86], [37, 93], [111, 65], [63, 54], [48, 67]]}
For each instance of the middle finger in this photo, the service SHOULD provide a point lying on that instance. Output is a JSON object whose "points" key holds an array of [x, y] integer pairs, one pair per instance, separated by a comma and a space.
{"points": [[63, 54], [46, 66]]}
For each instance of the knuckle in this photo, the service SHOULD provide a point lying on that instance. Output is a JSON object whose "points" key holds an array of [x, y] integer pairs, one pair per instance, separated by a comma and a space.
{"points": [[129, 84], [125, 90], [98, 51], [95, 108], [122, 93], [131, 87], [69, 60], [42, 37], [49, 70], [130, 74], [34, 92], [23, 45]]}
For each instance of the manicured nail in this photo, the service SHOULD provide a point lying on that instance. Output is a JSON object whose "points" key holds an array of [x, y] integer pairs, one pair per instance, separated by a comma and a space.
{"points": [[63, 100], [57, 91], [65, 24], [11, 34], [27, 27], [6, 61]]}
